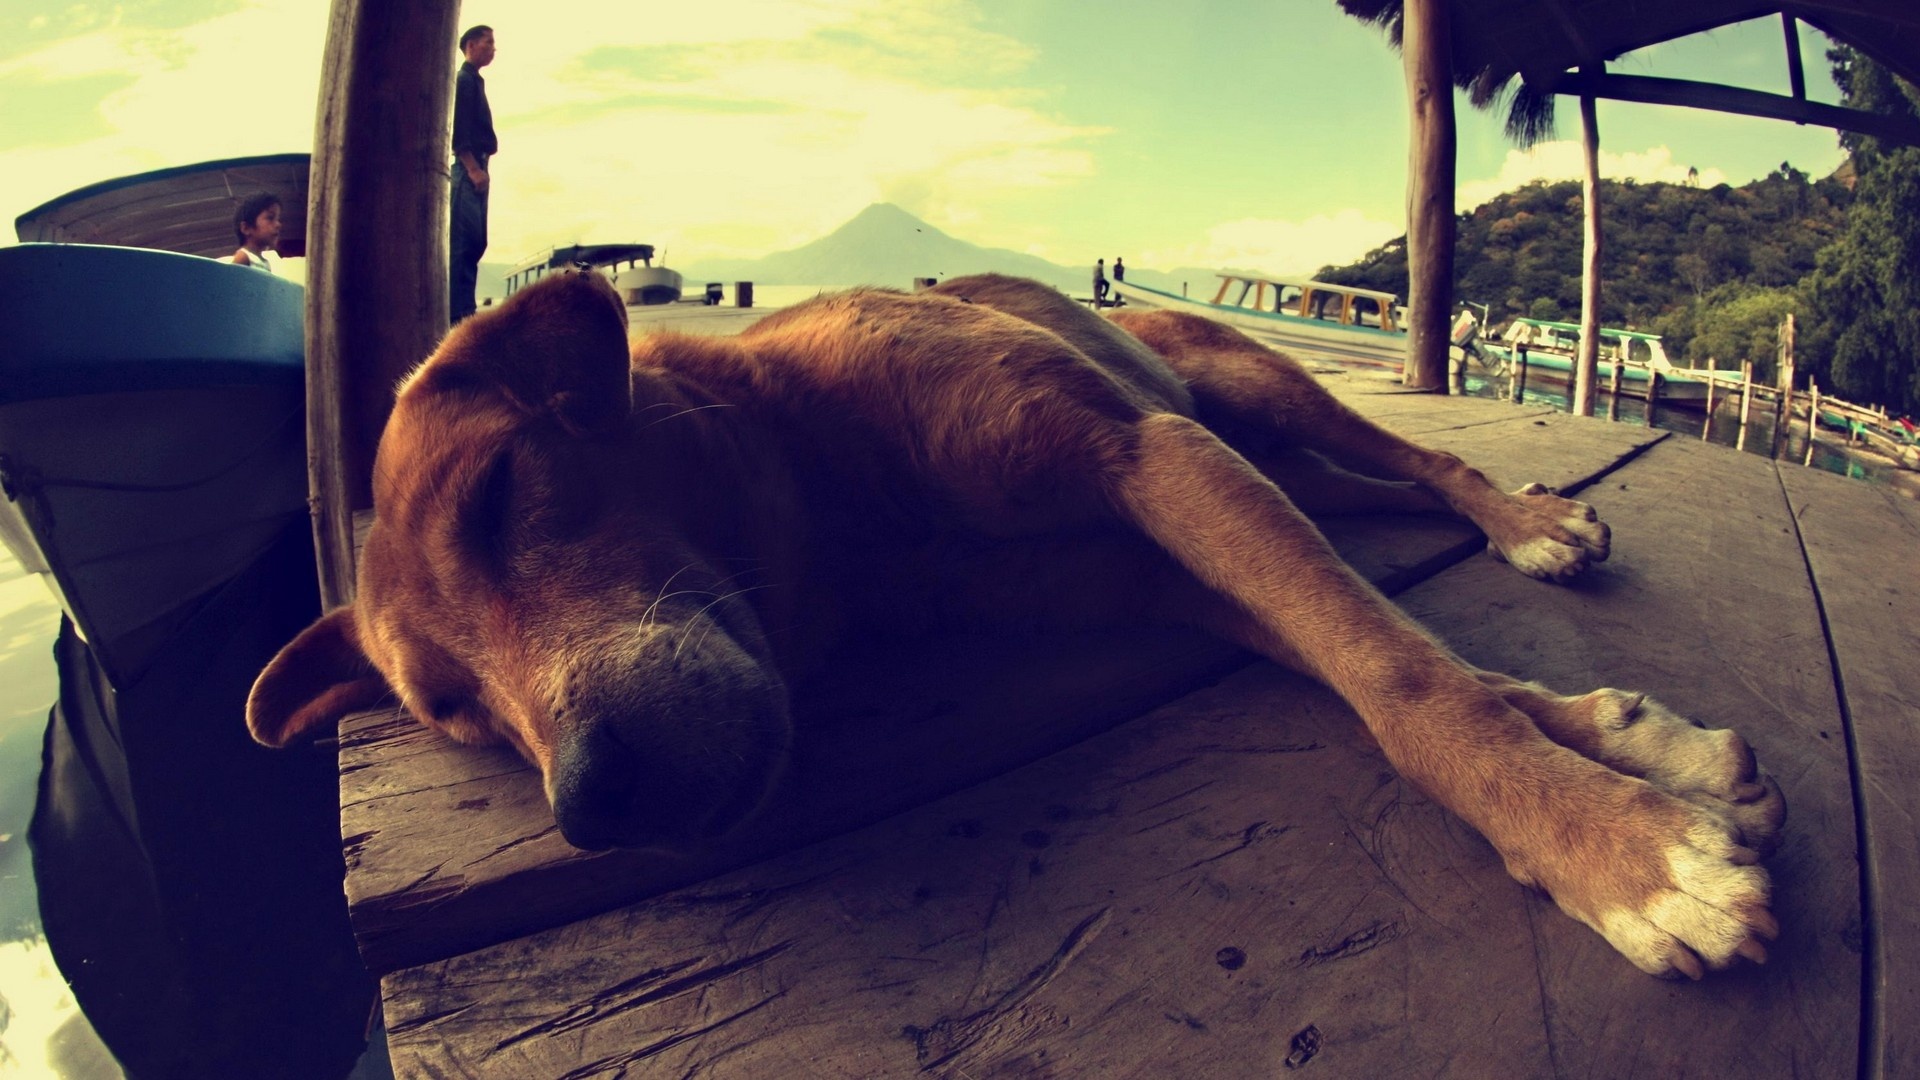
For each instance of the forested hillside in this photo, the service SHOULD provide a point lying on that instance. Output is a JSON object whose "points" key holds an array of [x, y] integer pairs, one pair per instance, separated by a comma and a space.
{"points": [[1715, 270], [1669, 247]]}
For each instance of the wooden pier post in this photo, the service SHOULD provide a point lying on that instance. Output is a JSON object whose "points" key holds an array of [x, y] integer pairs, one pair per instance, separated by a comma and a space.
{"points": [[376, 247], [1746, 402], [1783, 412], [1426, 48], [1653, 395], [1519, 378], [1706, 426], [1613, 395], [1813, 418], [1586, 360]]}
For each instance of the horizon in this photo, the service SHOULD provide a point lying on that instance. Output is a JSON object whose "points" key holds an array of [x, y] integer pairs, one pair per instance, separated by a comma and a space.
{"points": [[1066, 131]]}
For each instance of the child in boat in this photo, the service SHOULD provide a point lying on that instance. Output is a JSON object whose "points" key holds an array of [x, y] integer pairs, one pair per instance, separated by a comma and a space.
{"points": [[257, 225]]}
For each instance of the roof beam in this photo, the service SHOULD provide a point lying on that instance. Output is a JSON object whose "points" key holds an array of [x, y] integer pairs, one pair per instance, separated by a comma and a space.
{"points": [[1866, 9], [1732, 99]]}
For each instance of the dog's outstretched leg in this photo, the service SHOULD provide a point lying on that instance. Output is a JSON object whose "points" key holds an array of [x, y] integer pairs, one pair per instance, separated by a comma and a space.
{"points": [[1239, 385], [1666, 881]]}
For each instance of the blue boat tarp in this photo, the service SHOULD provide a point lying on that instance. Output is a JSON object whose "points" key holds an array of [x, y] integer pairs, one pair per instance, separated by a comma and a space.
{"points": [[84, 319]]}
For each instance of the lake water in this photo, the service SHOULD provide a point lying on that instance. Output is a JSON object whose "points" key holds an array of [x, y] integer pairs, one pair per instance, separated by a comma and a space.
{"points": [[42, 1032]]}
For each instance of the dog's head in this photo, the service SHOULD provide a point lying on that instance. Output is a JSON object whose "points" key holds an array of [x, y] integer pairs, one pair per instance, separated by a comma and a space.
{"points": [[549, 568]]}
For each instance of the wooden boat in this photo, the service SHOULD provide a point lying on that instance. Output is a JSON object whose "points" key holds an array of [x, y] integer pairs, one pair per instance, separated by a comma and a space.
{"points": [[629, 266], [1354, 325], [1551, 347], [152, 403], [152, 434]]}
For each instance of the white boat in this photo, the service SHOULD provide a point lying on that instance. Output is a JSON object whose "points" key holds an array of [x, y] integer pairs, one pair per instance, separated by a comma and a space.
{"points": [[629, 266], [1355, 325], [1552, 346]]}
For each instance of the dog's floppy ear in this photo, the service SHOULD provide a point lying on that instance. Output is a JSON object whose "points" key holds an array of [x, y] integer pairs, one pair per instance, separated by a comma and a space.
{"points": [[557, 347], [317, 678]]}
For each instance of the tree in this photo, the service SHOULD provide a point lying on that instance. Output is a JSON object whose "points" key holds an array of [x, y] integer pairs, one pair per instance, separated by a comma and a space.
{"points": [[1740, 322], [1864, 339]]}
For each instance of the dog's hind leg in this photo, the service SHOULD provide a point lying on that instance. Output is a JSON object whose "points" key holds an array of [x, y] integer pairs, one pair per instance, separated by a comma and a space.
{"points": [[1251, 393], [1665, 881]]}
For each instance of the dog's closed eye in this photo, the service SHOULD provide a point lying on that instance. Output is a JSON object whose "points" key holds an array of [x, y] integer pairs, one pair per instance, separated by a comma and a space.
{"points": [[487, 521]]}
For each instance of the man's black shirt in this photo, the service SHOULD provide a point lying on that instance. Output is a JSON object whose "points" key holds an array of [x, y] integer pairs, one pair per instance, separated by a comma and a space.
{"points": [[472, 117]]}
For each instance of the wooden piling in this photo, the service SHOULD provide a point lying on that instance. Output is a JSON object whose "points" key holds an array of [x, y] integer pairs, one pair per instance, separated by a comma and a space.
{"points": [[1783, 410], [1519, 378], [1586, 359], [1746, 402], [1813, 418], [1613, 394], [1427, 52], [376, 247], [1653, 396], [1706, 426]]}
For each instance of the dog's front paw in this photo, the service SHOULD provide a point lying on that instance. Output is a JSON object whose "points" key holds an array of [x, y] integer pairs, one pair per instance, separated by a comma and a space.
{"points": [[1712, 768], [1547, 537], [1667, 882]]}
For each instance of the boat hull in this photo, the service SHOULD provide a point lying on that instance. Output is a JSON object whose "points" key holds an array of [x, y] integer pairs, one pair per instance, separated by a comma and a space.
{"points": [[643, 286], [1348, 344], [152, 432]]}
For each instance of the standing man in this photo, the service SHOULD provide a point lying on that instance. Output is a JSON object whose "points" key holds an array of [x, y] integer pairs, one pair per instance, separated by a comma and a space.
{"points": [[1119, 269], [1099, 282], [474, 145]]}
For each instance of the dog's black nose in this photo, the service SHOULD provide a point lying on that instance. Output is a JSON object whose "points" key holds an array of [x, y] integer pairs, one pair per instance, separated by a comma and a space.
{"points": [[607, 793], [593, 788]]}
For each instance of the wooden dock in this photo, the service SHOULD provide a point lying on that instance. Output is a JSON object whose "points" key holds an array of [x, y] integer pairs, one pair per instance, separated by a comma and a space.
{"points": [[1145, 855]]}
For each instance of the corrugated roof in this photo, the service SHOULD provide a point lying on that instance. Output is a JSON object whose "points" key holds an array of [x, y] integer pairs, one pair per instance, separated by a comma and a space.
{"points": [[188, 208]]}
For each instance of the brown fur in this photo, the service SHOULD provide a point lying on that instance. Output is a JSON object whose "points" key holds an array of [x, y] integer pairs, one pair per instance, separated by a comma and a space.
{"points": [[621, 564]]}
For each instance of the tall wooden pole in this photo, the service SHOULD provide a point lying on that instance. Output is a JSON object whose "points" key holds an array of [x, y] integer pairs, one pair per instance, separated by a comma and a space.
{"points": [[376, 247], [1587, 360], [1427, 50]]}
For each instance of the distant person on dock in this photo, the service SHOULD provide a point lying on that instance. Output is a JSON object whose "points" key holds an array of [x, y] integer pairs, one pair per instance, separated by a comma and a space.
{"points": [[1119, 269], [1099, 282], [474, 145], [257, 226]]}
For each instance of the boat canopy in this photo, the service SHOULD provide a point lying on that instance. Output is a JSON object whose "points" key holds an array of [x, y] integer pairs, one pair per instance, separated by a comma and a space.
{"points": [[188, 208], [1573, 330], [578, 255], [1634, 345], [1307, 298]]}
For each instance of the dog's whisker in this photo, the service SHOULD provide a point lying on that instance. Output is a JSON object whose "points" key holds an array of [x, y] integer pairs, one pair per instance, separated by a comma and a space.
{"points": [[716, 600], [694, 409]]}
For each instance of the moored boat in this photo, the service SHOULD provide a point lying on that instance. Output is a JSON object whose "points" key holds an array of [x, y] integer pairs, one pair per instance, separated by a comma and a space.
{"points": [[1552, 346], [1350, 324], [629, 266]]}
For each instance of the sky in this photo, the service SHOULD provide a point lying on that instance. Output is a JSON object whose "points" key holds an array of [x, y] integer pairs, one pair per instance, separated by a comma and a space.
{"points": [[1263, 134]]}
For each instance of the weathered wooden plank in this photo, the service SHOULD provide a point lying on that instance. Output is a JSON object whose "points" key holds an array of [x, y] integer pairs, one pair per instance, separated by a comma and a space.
{"points": [[1236, 882], [452, 848], [1860, 542], [1705, 605], [1181, 896]]}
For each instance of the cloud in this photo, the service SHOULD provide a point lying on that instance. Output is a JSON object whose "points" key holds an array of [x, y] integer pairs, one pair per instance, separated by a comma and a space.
{"points": [[606, 134], [1285, 248], [1565, 160], [713, 136]]}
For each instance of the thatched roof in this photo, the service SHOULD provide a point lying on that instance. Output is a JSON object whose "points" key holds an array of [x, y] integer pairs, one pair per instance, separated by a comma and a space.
{"points": [[1541, 41]]}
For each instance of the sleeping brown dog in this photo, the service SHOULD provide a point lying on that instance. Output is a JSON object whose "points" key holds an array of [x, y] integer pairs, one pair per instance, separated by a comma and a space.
{"points": [[618, 558]]}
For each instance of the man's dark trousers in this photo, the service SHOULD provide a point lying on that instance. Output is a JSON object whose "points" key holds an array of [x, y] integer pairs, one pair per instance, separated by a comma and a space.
{"points": [[467, 241]]}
